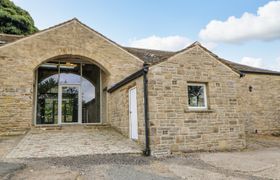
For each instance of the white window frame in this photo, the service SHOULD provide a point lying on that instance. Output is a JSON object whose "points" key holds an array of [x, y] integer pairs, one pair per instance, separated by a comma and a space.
{"points": [[78, 86], [204, 95]]}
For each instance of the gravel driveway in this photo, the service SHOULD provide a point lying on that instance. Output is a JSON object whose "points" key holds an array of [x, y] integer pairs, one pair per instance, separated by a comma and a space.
{"points": [[260, 161]]}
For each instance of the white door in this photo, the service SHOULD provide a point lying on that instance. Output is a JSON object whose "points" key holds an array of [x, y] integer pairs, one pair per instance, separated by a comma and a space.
{"points": [[133, 122]]}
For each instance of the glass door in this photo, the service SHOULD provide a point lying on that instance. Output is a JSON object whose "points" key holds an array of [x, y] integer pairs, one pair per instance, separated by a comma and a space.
{"points": [[69, 104]]}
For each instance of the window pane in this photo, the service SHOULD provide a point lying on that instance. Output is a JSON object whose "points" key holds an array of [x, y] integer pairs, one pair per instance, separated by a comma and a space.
{"points": [[53, 75], [69, 73], [47, 94], [196, 96], [69, 105], [91, 94]]}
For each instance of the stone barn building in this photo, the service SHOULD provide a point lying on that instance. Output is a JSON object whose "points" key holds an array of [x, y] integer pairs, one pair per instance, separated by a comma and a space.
{"points": [[168, 102]]}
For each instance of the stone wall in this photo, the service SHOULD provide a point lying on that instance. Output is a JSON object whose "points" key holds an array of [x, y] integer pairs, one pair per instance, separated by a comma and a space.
{"points": [[19, 60], [119, 109], [7, 38], [261, 105], [174, 127]]}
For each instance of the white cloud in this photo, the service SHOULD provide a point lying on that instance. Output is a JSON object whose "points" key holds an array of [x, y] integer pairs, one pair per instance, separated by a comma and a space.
{"points": [[251, 61], [209, 45], [265, 25], [169, 43]]}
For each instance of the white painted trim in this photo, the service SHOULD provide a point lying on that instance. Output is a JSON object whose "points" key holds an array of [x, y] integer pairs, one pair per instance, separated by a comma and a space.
{"points": [[80, 105], [204, 95], [60, 103], [129, 113]]}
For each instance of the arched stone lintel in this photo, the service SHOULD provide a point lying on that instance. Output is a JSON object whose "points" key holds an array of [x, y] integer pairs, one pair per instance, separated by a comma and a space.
{"points": [[69, 52]]}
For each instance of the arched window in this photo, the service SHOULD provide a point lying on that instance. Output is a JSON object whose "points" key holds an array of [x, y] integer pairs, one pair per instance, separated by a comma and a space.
{"points": [[68, 93]]}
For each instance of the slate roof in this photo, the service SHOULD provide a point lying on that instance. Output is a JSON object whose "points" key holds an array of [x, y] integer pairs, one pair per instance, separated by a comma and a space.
{"points": [[248, 69], [156, 56], [149, 55]]}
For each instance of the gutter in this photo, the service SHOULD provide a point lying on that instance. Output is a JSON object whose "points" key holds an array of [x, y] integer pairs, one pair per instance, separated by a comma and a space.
{"points": [[126, 80], [142, 72], [275, 73]]}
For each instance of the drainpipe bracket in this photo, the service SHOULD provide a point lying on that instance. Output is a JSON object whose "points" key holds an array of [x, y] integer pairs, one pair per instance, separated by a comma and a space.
{"points": [[147, 152]]}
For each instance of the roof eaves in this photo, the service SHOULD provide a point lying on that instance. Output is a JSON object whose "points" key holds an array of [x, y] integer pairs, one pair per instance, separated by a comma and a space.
{"points": [[183, 50], [126, 80], [220, 59], [39, 32], [111, 41], [176, 53], [248, 69], [259, 72]]}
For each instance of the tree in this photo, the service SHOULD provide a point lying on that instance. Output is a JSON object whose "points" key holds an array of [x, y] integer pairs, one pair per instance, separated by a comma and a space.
{"points": [[14, 20], [195, 92], [47, 85]]}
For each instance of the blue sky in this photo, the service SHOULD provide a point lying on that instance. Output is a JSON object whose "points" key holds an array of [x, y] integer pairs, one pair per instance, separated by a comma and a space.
{"points": [[252, 38]]}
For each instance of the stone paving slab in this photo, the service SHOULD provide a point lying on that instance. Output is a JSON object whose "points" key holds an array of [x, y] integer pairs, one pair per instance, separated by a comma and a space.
{"points": [[7, 143], [252, 161], [62, 143]]}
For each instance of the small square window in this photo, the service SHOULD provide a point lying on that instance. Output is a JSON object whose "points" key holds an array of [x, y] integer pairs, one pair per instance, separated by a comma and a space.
{"points": [[197, 96]]}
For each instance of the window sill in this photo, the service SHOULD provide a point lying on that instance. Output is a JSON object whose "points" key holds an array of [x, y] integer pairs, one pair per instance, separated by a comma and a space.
{"points": [[187, 110]]}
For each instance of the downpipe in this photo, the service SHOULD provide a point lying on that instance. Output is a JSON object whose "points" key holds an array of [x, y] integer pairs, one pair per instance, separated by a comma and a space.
{"points": [[147, 151]]}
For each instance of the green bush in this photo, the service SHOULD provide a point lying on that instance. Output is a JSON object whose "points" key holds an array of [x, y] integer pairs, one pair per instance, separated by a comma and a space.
{"points": [[14, 20]]}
